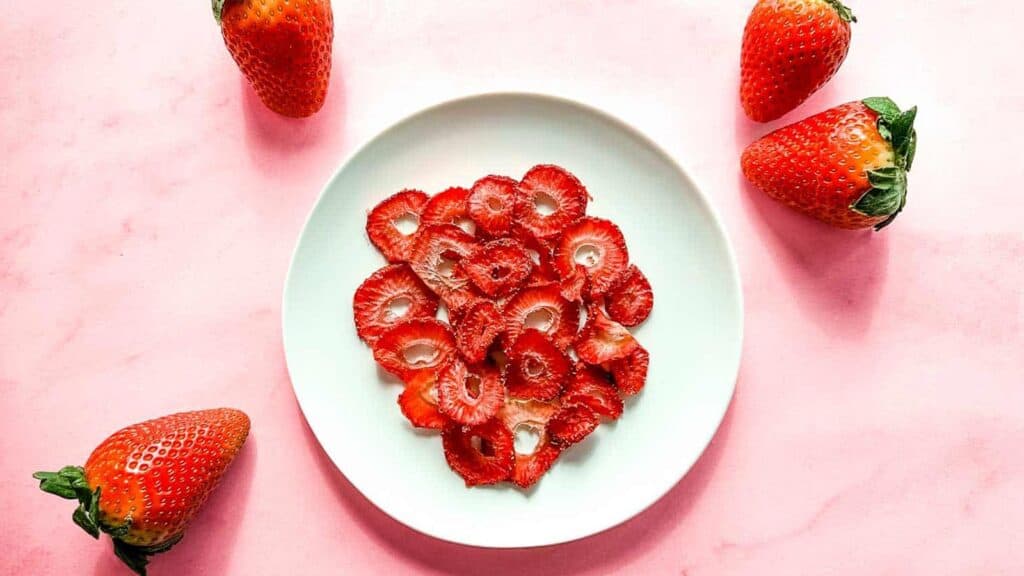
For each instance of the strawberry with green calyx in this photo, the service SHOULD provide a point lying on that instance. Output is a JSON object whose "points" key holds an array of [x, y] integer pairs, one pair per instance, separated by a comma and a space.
{"points": [[846, 166], [145, 483]]}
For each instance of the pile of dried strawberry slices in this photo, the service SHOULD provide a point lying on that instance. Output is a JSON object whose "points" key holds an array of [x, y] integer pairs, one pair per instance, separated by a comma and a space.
{"points": [[537, 297]]}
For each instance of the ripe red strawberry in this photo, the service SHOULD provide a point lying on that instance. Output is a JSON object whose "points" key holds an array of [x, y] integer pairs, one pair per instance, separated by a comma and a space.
{"points": [[597, 245], [470, 394], [499, 267], [390, 295], [478, 328], [449, 207], [571, 424], [603, 339], [382, 224], [530, 417], [630, 300], [549, 200], [630, 373], [145, 483], [537, 369], [791, 48], [846, 166], [492, 204], [481, 454], [435, 259], [283, 48], [415, 346], [590, 386], [543, 308], [418, 401]]}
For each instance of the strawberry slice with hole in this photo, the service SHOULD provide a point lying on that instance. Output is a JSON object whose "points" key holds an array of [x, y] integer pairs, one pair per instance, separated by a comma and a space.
{"points": [[630, 300], [599, 246], [571, 424], [549, 200], [449, 207], [630, 373], [415, 346], [478, 327], [592, 387], [418, 401], [492, 203], [389, 296], [543, 308], [392, 224], [603, 339], [498, 268], [481, 454], [534, 450], [537, 369], [470, 394], [435, 259]]}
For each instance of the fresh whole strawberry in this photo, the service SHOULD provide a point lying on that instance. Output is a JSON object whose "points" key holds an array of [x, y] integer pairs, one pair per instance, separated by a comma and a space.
{"points": [[145, 483], [284, 49], [791, 48], [846, 166]]}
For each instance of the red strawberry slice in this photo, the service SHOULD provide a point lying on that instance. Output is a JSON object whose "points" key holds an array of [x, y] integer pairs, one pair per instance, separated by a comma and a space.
{"points": [[630, 373], [571, 424], [492, 203], [449, 207], [435, 259], [543, 271], [526, 418], [415, 346], [481, 454], [591, 386], [603, 339], [630, 300], [498, 268], [543, 308], [537, 369], [389, 296], [477, 329], [574, 285], [392, 224], [596, 244], [549, 200], [419, 401], [470, 395]]}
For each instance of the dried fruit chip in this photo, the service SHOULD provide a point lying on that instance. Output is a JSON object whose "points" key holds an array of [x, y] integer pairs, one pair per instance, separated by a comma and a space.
{"points": [[549, 200], [499, 267], [390, 295], [492, 204], [537, 369], [481, 454], [392, 224], [470, 394], [528, 420], [597, 245], [415, 346], [630, 300]]}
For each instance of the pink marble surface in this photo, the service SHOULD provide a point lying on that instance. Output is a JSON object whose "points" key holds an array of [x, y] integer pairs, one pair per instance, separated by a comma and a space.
{"points": [[149, 204]]}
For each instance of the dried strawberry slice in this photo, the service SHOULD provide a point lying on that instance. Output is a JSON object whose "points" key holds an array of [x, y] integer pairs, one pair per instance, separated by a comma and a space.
{"points": [[415, 346], [492, 204], [477, 328], [537, 369], [543, 308], [630, 373], [449, 207], [599, 246], [591, 386], [470, 394], [435, 259], [574, 285], [630, 300], [549, 200], [419, 401], [382, 224], [481, 454], [543, 270], [498, 268], [389, 296], [603, 339], [571, 424], [526, 418]]}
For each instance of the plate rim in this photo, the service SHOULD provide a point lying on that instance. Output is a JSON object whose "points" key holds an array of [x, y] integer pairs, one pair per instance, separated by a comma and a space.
{"points": [[716, 221]]}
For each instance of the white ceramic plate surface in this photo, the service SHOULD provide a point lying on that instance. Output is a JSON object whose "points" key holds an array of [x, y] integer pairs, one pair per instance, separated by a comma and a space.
{"points": [[694, 334]]}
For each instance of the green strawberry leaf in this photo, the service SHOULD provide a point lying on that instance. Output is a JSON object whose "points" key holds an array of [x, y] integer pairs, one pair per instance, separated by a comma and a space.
{"points": [[218, 8], [887, 196], [845, 13], [885, 107]]}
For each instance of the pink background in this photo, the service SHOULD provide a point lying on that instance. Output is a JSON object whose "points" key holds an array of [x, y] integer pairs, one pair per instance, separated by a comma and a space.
{"points": [[149, 205]]}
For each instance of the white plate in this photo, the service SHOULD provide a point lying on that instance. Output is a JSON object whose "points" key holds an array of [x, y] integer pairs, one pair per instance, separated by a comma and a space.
{"points": [[694, 335]]}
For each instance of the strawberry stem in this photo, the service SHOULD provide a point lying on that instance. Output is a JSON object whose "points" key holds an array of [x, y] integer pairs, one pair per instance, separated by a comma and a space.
{"points": [[844, 13], [218, 9], [888, 193]]}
